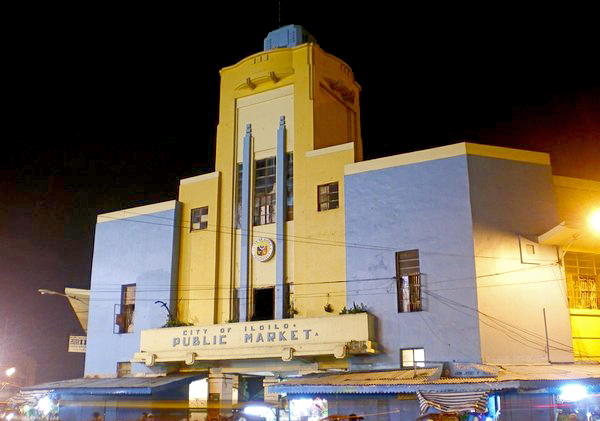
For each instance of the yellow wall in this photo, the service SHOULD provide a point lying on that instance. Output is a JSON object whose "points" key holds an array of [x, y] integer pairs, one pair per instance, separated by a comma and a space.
{"points": [[575, 200], [585, 325], [198, 258], [320, 100]]}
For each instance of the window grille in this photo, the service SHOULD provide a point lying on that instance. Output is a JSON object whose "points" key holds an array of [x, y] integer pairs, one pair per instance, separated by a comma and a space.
{"points": [[199, 219], [124, 311], [582, 272], [264, 203], [264, 191], [408, 281], [328, 196]]}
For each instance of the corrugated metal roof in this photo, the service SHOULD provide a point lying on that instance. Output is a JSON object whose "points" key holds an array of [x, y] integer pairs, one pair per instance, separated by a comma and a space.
{"points": [[116, 386], [410, 381]]}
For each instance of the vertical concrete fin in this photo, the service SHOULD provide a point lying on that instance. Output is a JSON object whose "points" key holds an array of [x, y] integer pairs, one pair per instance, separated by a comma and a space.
{"points": [[245, 224], [280, 217]]}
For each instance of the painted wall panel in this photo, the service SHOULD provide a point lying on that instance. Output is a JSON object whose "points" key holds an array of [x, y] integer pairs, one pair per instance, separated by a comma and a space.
{"points": [[134, 250], [198, 292], [509, 199], [423, 206]]}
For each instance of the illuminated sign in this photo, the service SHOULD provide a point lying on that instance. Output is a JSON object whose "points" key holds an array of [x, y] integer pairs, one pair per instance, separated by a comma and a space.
{"points": [[77, 343]]}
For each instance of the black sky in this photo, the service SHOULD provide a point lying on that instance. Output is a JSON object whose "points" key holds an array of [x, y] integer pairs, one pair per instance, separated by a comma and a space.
{"points": [[107, 108]]}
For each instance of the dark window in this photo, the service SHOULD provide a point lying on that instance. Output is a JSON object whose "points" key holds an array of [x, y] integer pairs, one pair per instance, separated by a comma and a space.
{"points": [[408, 281], [199, 219], [264, 304], [328, 197], [412, 357], [125, 310]]}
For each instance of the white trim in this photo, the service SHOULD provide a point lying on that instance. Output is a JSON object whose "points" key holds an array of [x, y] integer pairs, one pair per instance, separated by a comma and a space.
{"points": [[197, 178], [448, 151], [137, 211], [330, 149]]}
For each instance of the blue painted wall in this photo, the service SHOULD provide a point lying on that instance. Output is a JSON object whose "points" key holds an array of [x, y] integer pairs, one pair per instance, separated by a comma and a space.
{"points": [[142, 250], [511, 199], [423, 206]]}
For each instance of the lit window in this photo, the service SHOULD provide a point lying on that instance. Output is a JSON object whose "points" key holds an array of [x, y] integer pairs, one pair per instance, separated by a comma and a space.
{"points": [[408, 281], [412, 357], [123, 369], [125, 310], [199, 219], [582, 272], [328, 196]]}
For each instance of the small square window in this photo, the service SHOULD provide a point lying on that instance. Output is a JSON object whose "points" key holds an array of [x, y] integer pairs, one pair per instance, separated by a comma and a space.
{"points": [[199, 219], [328, 197], [123, 369], [412, 357]]}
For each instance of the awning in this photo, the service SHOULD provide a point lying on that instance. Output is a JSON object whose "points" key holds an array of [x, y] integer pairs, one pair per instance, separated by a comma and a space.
{"points": [[79, 299], [466, 378], [123, 386], [453, 402], [575, 238]]}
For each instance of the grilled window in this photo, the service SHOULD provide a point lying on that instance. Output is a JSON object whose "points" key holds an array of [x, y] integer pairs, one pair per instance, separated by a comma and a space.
{"points": [[582, 272], [199, 219], [124, 317], [328, 196], [264, 208], [408, 281], [264, 191]]}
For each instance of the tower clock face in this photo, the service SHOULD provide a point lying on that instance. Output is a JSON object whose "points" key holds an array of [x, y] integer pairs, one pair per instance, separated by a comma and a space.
{"points": [[263, 249]]}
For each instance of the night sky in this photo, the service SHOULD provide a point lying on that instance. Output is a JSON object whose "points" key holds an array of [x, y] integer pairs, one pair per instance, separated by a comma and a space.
{"points": [[108, 108]]}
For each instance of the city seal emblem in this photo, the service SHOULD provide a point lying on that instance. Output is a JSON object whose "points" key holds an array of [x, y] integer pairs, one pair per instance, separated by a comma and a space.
{"points": [[262, 249]]}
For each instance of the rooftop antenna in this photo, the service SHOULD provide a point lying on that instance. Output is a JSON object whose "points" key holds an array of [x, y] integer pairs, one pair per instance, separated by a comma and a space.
{"points": [[279, 4]]}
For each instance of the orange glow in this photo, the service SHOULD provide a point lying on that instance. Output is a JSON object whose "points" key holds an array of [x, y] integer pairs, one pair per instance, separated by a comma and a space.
{"points": [[595, 221]]}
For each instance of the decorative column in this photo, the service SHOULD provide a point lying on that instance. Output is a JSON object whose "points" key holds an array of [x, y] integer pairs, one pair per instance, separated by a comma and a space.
{"points": [[220, 394], [245, 224], [281, 214]]}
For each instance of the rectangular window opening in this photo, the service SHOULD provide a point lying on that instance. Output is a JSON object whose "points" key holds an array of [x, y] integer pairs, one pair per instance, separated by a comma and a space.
{"points": [[264, 191], [408, 281], [124, 312], [327, 196], [199, 219], [582, 272], [123, 369], [412, 357], [264, 304]]}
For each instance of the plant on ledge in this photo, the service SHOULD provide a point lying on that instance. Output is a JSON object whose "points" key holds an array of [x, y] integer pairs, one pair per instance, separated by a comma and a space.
{"points": [[172, 320], [355, 309]]}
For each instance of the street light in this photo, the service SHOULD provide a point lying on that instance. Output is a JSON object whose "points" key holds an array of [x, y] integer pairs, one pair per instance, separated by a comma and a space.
{"points": [[10, 371], [43, 291], [594, 221]]}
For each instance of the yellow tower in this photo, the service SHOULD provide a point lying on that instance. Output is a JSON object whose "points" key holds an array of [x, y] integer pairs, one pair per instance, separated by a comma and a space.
{"points": [[262, 237]]}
